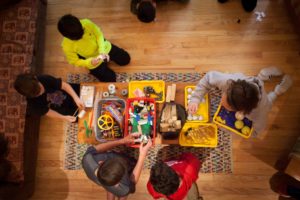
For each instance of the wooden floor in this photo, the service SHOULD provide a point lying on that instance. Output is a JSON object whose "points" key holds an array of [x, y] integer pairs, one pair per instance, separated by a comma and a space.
{"points": [[200, 36]]}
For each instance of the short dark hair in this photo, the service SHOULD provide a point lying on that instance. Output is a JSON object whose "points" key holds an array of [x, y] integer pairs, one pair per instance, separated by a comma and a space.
{"points": [[70, 27], [164, 179], [242, 95], [146, 11], [111, 171], [27, 85]]}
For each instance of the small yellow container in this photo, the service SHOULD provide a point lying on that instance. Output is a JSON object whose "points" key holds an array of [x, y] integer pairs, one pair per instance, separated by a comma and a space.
{"points": [[203, 109], [199, 135], [220, 119], [158, 86]]}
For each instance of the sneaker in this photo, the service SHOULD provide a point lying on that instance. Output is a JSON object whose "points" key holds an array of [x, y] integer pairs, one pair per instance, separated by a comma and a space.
{"points": [[249, 5], [284, 85], [222, 1], [266, 73]]}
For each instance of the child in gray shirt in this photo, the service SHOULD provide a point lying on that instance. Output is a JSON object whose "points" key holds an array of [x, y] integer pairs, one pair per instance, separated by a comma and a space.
{"points": [[242, 93]]}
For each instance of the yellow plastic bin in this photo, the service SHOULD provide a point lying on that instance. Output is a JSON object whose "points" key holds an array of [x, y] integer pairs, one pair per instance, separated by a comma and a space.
{"points": [[136, 88], [227, 120], [202, 114], [199, 135]]}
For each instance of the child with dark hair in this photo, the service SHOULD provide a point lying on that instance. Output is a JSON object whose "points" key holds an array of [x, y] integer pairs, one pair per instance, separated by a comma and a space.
{"points": [[248, 5], [117, 173], [145, 10], [50, 96], [175, 179], [85, 46], [243, 94]]}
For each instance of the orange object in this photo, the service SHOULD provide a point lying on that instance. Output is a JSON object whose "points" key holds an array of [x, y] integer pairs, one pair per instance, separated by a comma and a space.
{"points": [[91, 118]]}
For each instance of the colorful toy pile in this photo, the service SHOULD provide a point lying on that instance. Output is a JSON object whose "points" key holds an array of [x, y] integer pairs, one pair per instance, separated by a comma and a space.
{"points": [[110, 119], [141, 118]]}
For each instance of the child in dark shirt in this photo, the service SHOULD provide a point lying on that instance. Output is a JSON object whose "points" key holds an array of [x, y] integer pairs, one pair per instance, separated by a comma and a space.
{"points": [[50, 96], [116, 173], [145, 10]]}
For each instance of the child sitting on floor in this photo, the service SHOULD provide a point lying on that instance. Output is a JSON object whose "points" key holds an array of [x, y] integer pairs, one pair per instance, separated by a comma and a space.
{"points": [[241, 93], [47, 95]]}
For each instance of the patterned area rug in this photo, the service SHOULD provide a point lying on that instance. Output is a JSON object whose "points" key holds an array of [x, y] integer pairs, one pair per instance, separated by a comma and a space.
{"points": [[214, 160]]}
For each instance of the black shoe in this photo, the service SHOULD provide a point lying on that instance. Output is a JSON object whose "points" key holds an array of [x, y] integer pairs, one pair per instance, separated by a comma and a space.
{"points": [[222, 1], [249, 5]]}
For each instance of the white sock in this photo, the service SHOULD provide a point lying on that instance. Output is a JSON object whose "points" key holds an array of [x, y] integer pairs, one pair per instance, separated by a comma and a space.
{"points": [[272, 96]]}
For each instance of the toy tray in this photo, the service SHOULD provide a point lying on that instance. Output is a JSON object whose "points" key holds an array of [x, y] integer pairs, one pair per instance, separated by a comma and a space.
{"points": [[203, 108], [205, 136], [158, 86], [128, 127], [226, 119], [100, 133]]}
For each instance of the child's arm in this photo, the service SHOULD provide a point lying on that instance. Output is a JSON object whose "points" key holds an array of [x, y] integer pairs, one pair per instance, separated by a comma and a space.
{"points": [[53, 114], [103, 147], [210, 80], [73, 58], [98, 35], [67, 87], [139, 165]]}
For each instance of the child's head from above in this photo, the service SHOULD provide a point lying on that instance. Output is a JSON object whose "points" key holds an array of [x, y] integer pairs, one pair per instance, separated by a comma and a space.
{"points": [[240, 96], [164, 179], [111, 171], [70, 27], [146, 11], [28, 85]]}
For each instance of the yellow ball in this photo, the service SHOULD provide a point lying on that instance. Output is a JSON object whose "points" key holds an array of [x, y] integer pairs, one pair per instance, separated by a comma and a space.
{"points": [[239, 124], [246, 130]]}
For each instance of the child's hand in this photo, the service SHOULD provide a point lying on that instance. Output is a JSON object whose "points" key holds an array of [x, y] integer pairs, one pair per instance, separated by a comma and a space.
{"points": [[70, 118], [192, 107], [95, 61], [104, 57], [129, 139], [79, 104], [144, 148]]}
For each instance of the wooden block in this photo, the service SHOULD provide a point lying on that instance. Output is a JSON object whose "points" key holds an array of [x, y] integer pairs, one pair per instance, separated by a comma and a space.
{"points": [[173, 92], [167, 113], [164, 127], [168, 96], [178, 124], [173, 112]]}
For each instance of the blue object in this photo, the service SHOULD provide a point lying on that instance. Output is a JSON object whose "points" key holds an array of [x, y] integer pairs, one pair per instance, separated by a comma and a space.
{"points": [[229, 117]]}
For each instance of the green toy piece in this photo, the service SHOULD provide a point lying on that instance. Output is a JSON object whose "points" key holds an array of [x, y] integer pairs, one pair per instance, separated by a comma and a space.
{"points": [[146, 129], [134, 125], [88, 131]]}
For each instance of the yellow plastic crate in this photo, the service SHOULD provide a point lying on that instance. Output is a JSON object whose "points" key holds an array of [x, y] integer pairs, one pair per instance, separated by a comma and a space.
{"points": [[158, 86], [203, 108], [204, 135], [226, 119]]}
